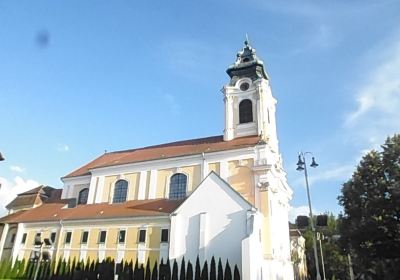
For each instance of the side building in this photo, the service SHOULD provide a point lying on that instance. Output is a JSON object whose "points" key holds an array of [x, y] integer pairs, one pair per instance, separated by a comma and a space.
{"points": [[224, 196]]}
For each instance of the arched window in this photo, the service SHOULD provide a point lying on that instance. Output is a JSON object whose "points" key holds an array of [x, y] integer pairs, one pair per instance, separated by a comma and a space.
{"points": [[245, 111], [83, 196], [120, 191], [177, 186]]}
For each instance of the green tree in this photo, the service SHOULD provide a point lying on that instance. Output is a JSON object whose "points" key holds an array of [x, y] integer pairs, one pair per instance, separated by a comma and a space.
{"points": [[335, 258], [175, 270], [189, 272], [213, 270], [197, 270], [204, 271], [370, 228], [182, 275]]}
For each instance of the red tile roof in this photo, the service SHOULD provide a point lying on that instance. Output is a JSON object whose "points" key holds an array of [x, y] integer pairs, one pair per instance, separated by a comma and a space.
{"points": [[169, 150], [56, 211]]}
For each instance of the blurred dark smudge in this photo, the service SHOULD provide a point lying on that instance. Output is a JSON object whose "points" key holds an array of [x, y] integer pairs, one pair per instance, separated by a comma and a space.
{"points": [[42, 38]]}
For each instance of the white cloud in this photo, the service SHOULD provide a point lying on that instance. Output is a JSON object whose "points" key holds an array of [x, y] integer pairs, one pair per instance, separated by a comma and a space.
{"points": [[301, 210], [9, 190], [63, 148], [331, 173], [17, 168], [337, 173], [377, 113]]}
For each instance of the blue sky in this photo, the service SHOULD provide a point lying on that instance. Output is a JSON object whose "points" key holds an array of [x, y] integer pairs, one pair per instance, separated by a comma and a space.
{"points": [[81, 77]]}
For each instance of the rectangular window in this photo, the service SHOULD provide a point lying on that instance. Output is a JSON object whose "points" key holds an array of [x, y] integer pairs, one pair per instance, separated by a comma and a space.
{"points": [[102, 236], [142, 235], [12, 238], [68, 237], [121, 236], [164, 235], [85, 236], [53, 237], [38, 239], [23, 238]]}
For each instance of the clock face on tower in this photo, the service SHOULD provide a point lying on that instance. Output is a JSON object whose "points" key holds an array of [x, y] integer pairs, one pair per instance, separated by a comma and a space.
{"points": [[244, 86]]}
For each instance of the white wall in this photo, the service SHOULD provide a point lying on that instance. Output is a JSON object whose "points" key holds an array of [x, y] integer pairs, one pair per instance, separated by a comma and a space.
{"points": [[211, 222]]}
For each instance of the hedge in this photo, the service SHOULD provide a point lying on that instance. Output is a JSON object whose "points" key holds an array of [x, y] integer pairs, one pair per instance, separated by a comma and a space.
{"points": [[107, 269]]}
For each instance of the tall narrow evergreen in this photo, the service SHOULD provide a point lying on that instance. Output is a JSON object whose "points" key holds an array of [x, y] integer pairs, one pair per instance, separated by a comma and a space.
{"points": [[220, 270], [236, 273], [197, 270], [213, 270], [136, 269], [147, 275], [167, 270], [182, 275], [189, 273], [154, 273], [174, 271], [228, 272], [204, 272]]}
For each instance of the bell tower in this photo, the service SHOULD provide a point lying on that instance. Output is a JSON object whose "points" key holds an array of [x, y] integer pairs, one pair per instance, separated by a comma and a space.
{"points": [[249, 104]]}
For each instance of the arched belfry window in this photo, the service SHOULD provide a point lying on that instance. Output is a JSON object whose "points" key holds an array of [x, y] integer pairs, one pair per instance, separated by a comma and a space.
{"points": [[83, 196], [120, 191], [177, 186], [245, 111]]}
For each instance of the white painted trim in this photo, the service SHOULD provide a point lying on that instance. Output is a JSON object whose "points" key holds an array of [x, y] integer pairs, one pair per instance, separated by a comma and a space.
{"points": [[224, 169], [94, 181], [142, 185], [100, 189], [153, 184], [77, 180]]}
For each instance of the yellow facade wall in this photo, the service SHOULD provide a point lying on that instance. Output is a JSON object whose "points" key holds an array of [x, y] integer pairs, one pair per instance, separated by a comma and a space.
{"points": [[163, 176], [133, 185], [241, 178], [109, 182], [214, 166], [194, 173]]}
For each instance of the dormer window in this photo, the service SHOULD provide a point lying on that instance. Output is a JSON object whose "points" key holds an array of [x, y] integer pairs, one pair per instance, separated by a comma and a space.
{"points": [[83, 196], [245, 111], [120, 191], [177, 186]]}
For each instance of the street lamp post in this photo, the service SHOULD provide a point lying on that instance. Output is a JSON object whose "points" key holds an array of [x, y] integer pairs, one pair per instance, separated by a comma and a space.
{"points": [[302, 166], [320, 238]]}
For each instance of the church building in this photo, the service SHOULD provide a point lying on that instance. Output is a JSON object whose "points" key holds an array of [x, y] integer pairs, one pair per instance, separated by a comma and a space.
{"points": [[225, 196]]}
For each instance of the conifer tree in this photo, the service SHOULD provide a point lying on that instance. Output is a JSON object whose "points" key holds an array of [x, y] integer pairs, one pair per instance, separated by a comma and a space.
{"points": [[189, 273], [148, 271], [197, 271], [154, 273], [141, 273], [213, 270], [168, 270], [236, 273], [136, 269], [204, 271], [175, 271], [228, 272], [182, 275], [220, 270], [162, 270]]}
